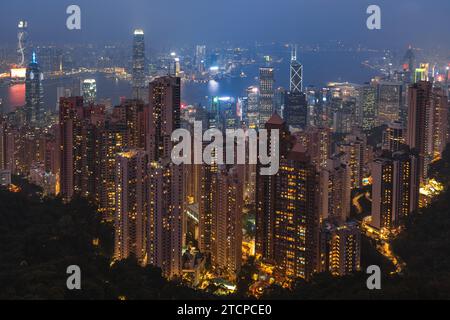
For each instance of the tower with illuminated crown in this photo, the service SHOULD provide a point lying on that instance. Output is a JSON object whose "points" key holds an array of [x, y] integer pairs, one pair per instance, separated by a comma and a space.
{"points": [[34, 94]]}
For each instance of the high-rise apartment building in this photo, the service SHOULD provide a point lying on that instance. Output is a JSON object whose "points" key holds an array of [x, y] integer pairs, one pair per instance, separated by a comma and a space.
{"points": [[132, 205], [395, 189], [227, 222], [166, 179], [394, 137]]}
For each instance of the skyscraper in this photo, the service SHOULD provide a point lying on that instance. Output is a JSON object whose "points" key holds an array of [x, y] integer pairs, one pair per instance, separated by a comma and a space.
{"points": [[252, 114], [266, 94], [200, 58], [389, 101], [368, 106], [296, 110], [341, 248], [296, 216], [336, 191], [227, 221], [89, 88], [420, 124], [34, 94], [132, 201], [395, 189], [138, 74], [296, 73], [266, 195], [166, 178], [354, 155], [394, 137]]}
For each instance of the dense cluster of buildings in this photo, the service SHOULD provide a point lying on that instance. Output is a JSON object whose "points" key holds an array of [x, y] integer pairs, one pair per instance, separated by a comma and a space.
{"points": [[177, 216]]}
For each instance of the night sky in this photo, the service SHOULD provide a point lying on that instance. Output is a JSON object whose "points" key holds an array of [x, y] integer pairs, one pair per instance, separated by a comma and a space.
{"points": [[423, 23]]}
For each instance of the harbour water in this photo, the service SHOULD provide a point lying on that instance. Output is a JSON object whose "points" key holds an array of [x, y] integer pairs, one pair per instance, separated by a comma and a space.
{"points": [[319, 68]]}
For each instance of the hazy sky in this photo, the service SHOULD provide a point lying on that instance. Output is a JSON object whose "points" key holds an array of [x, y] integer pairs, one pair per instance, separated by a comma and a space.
{"points": [[420, 22]]}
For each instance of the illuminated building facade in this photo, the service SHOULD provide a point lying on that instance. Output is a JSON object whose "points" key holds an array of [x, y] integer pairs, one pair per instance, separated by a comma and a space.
{"points": [[395, 189], [252, 114], [34, 94], [341, 248], [296, 73], [138, 72], [89, 88], [394, 137], [296, 216], [132, 202], [368, 104], [389, 101], [166, 179], [335, 190], [296, 110], [227, 222], [354, 155], [266, 195], [266, 95], [421, 124]]}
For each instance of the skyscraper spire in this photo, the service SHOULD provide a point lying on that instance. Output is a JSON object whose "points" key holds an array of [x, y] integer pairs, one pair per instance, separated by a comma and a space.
{"points": [[294, 53], [296, 73]]}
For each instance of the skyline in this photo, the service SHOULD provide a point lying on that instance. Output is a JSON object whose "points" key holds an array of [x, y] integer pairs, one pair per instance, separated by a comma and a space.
{"points": [[145, 156], [302, 22]]}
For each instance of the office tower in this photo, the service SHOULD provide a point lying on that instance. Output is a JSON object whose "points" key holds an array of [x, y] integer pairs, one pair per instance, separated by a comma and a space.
{"points": [[409, 65], [34, 94], [296, 215], [253, 107], [389, 101], [89, 88], [354, 155], [265, 194], [22, 45], [394, 137], [224, 111], [341, 248], [200, 58], [266, 95], [335, 191], [395, 189], [279, 100], [368, 104], [227, 222], [138, 74], [296, 73], [112, 139], [166, 179], [422, 73], [420, 124], [132, 202], [296, 110]]}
